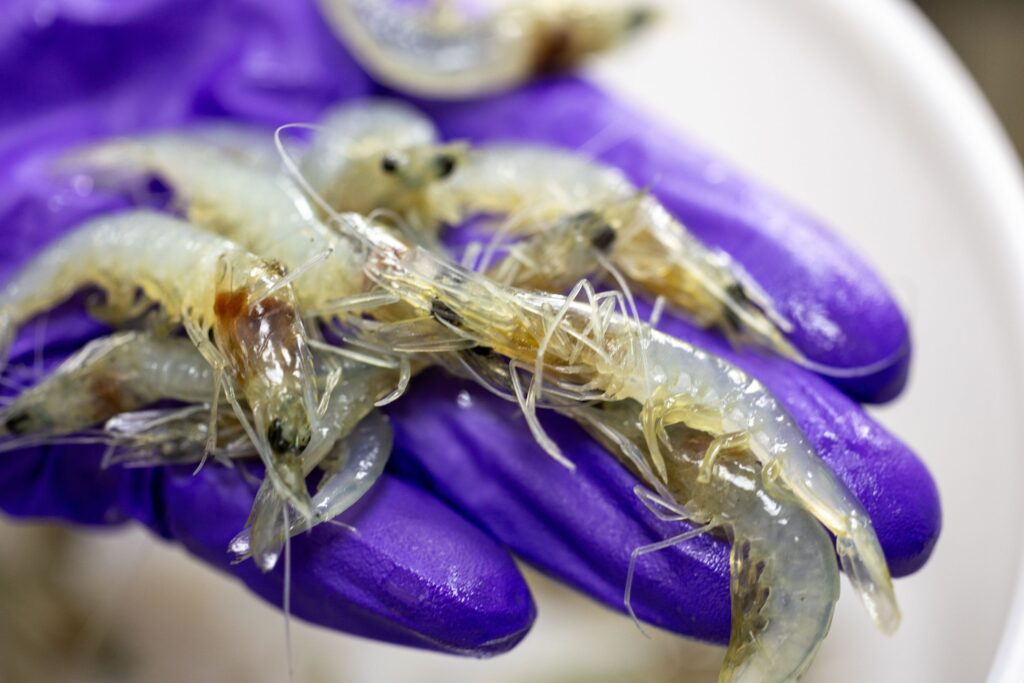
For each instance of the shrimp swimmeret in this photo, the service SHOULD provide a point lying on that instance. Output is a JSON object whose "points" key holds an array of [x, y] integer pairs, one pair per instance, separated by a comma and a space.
{"points": [[237, 308], [442, 55]]}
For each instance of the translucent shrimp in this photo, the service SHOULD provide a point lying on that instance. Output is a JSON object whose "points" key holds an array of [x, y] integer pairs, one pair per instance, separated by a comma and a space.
{"points": [[784, 582], [108, 376], [557, 195], [591, 351], [247, 204], [378, 154], [442, 55], [238, 309]]}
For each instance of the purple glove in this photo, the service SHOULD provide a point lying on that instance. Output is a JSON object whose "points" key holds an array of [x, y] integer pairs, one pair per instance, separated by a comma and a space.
{"points": [[104, 67]]}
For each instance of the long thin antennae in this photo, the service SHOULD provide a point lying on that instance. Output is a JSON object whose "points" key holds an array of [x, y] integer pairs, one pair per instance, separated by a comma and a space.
{"points": [[287, 598], [627, 597]]}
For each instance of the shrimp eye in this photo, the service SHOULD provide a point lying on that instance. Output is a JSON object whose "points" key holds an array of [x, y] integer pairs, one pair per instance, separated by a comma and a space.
{"points": [[603, 239], [17, 424], [389, 164], [445, 165], [444, 313], [275, 436], [483, 351]]}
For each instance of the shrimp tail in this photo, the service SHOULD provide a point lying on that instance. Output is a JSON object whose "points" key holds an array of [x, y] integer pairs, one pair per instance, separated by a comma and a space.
{"points": [[779, 618], [863, 562]]}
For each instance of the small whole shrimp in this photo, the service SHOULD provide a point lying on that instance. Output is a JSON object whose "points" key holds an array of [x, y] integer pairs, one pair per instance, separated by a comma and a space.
{"points": [[109, 376], [440, 54], [238, 309], [594, 351], [551, 195]]}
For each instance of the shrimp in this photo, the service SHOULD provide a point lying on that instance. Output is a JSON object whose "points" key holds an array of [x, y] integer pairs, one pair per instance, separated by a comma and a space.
{"points": [[238, 309], [108, 376], [590, 351], [379, 154], [112, 376], [783, 576], [175, 436], [444, 56], [540, 187], [350, 470]]}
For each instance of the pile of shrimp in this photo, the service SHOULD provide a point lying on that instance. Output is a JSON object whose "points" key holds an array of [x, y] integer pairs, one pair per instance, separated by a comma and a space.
{"points": [[298, 283]]}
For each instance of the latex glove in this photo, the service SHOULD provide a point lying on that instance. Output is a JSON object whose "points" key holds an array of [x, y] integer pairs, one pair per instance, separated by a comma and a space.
{"points": [[101, 68]]}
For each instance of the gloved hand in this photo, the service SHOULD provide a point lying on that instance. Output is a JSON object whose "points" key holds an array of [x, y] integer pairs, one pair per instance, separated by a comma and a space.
{"points": [[418, 573]]}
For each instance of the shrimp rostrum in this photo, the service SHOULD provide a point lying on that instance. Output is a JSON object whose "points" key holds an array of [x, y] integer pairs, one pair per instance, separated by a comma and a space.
{"points": [[238, 310]]}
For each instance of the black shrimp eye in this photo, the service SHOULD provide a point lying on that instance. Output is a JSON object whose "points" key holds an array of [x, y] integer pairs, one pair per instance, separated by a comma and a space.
{"points": [[275, 436], [17, 424], [603, 239], [389, 164], [445, 165], [444, 313]]}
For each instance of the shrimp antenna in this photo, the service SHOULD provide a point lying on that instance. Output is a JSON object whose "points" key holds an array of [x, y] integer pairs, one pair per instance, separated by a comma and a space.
{"points": [[627, 596], [346, 223], [286, 600], [852, 372]]}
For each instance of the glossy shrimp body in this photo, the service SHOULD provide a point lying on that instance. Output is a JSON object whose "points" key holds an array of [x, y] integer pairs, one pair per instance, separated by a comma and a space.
{"points": [[245, 203], [109, 376], [589, 351], [558, 194], [442, 55], [236, 307], [378, 154], [784, 582]]}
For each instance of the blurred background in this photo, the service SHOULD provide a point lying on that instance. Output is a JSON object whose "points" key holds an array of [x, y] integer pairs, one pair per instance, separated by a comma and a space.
{"points": [[989, 37], [110, 607]]}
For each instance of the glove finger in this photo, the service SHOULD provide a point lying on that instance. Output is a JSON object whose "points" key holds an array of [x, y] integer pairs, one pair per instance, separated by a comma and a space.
{"points": [[414, 573]]}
